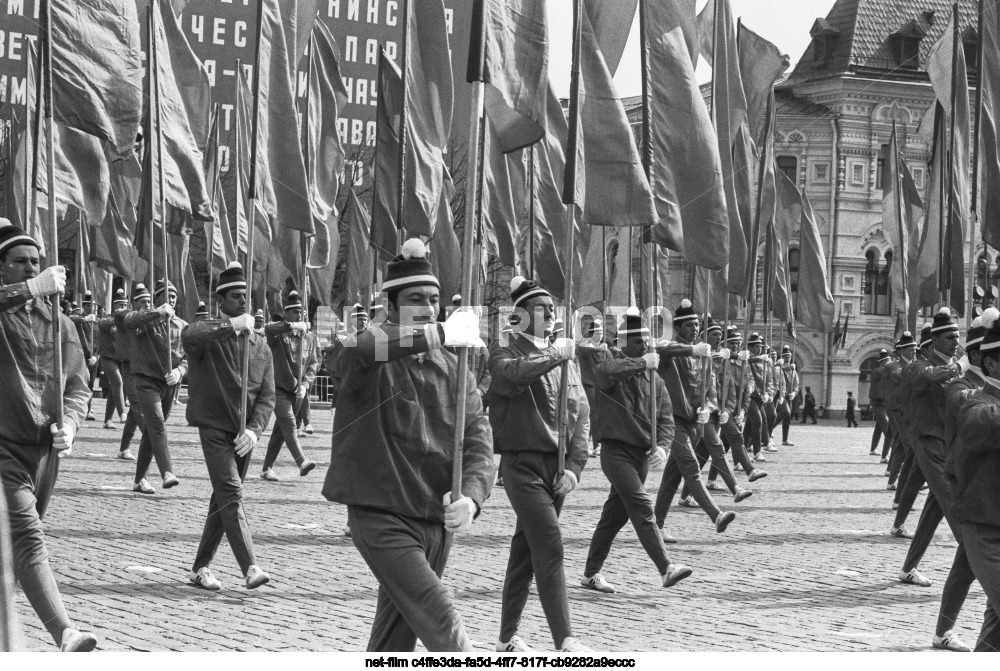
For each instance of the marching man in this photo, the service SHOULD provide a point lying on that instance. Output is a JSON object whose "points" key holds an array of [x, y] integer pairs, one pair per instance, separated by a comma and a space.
{"points": [[215, 350], [30, 441], [392, 457], [789, 390], [86, 324]]}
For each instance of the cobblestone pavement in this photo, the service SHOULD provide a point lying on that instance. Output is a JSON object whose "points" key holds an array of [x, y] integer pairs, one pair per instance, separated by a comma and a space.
{"points": [[807, 565]]}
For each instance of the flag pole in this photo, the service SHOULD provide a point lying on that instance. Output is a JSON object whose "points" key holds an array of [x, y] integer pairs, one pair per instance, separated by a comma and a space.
{"points": [[647, 162], [31, 185], [898, 186], [215, 195], [531, 212], [252, 204], [160, 203], [975, 164], [474, 76], [404, 63], [306, 241], [52, 258], [374, 208], [947, 242], [569, 199]]}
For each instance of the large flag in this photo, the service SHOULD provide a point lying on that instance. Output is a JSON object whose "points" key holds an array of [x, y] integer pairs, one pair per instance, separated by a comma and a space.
{"points": [[989, 130], [190, 75], [113, 247], [358, 269], [503, 197], [902, 214], [517, 72], [686, 171], [446, 251], [617, 191], [813, 300], [220, 248], [777, 281], [327, 96], [764, 206], [97, 69], [926, 271], [385, 205], [947, 70], [429, 102], [761, 64], [729, 105]]}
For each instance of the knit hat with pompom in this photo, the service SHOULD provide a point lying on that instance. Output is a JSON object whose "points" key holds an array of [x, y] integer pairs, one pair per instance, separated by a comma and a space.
{"points": [[410, 269], [231, 278], [522, 290], [685, 313]]}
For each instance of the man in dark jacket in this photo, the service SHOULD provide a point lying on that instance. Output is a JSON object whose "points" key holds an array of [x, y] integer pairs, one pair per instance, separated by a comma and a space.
{"points": [[621, 421], [524, 415], [31, 442], [391, 460], [900, 454], [86, 326], [809, 406], [756, 417], [215, 349], [295, 365], [876, 397], [851, 406], [111, 365]]}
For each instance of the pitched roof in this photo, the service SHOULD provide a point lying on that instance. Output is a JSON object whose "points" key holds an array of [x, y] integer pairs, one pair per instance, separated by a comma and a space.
{"points": [[866, 27]]}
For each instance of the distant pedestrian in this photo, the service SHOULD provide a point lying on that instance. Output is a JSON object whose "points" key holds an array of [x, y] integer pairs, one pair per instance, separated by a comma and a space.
{"points": [[809, 406], [852, 405]]}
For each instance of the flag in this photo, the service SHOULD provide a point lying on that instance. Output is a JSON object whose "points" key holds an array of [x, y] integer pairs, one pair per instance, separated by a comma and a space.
{"points": [[445, 250], [358, 269], [218, 237], [278, 136], [97, 69], [989, 130], [190, 75], [503, 197], [516, 73], [113, 248], [617, 191], [324, 154], [729, 107], [686, 171], [946, 68], [842, 342], [612, 22], [305, 21], [323, 259], [236, 185], [708, 294], [902, 211], [777, 282], [813, 300], [761, 64], [925, 278], [766, 203], [385, 207], [429, 99]]}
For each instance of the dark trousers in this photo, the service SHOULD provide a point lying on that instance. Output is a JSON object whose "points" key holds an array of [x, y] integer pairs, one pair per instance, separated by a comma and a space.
{"points": [[626, 468], [113, 372], [302, 412], [156, 398], [784, 418], [752, 427], [28, 473], [882, 428], [128, 430], [683, 464], [407, 557], [710, 447], [536, 548], [809, 412], [225, 509], [771, 421], [911, 479], [134, 406], [732, 439], [850, 420], [982, 542], [284, 430]]}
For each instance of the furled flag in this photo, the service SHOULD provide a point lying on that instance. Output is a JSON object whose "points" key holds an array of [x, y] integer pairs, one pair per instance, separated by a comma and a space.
{"points": [[190, 75], [948, 74], [761, 64], [902, 214], [445, 249], [220, 248], [385, 204], [429, 100], [787, 215], [517, 72], [113, 247], [97, 69], [504, 196], [813, 300], [686, 170], [617, 191], [926, 271], [764, 206], [989, 130], [729, 107], [358, 269]]}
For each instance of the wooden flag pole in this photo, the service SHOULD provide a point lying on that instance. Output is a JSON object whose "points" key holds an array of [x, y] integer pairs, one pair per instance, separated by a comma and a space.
{"points": [[474, 76], [306, 242], [52, 258], [531, 212], [154, 84], [569, 199], [252, 205], [977, 125], [647, 162], [946, 245], [35, 136], [404, 63], [215, 195]]}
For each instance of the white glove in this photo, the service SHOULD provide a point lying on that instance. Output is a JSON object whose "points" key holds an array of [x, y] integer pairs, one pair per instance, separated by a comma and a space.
{"points": [[243, 323], [52, 280], [461, 329], [963, 364], [744, 355], [302, 391], [652, 360], [741, 417], [703, 415], [458, 516], [298, 328], [565, 484], [245, 442], [90, 318], [62, 439], [173, 377], [702, 349], [723, 417], [91, 361], [165, 310], [657, 458], [565, 347], [766, 398], [725, 352]]}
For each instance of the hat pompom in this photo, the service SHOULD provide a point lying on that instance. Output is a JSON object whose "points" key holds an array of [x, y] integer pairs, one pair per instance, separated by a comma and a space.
{"points": [[989, 318], [234, 264], [414, 248], [516, 282], [907, 334], [685, 303], [945, 311], [633, 311]]}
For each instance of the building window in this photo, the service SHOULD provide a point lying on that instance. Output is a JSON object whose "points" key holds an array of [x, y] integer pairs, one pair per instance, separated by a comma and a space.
{"points": [[790, 166], [821, 173], [918, 177], [877, 291], [793, 269], [857, 174], [909, 53], [880, 166], [970, 44]]}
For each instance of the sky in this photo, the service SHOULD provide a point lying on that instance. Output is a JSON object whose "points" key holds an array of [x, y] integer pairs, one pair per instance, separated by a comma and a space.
{"points": [[786, 23]]}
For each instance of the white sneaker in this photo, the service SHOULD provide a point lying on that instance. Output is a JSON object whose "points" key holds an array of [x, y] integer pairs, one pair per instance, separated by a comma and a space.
{"points": [[203, 578], [687, 502], [74, 640], [950, 641], [515, 644], [900, 532], [598, 583], [308, 429], [256, 577], [571, 644], [914, 577], [713, 485], [268, 474]]}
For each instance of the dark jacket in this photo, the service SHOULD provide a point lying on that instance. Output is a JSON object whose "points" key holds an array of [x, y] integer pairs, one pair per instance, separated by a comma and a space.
{"points": [[977, 460], [759, 375], [734, 376], [395, 426], [123, 337], [524, 402], [892, 377], [622, 404], [86, 330], [27, 374], [106, 337], [810, 401], [288, 356], [927, 401], [148, 356], [956, 392], [876, 386], [588, 358], [683, 374], [215, 368]]}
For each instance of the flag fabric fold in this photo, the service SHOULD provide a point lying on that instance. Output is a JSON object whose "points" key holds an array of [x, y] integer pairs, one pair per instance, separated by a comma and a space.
{"points": [[324, 154], [787, 215], [902, 214], [358, 268], [190, 75], [761, 64], [813, 300], [989, 130], [385, 204]]}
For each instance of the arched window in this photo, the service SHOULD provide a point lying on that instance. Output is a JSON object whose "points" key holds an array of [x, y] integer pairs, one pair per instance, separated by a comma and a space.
{"points": [[883, 289], [876, 288], [790, 166]]}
